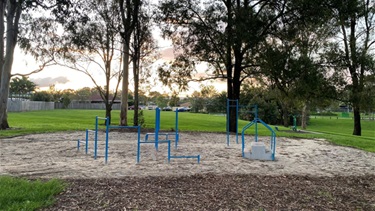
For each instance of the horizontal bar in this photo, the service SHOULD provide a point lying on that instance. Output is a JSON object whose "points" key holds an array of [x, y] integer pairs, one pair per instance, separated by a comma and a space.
{"points": [[129, 127], [153, 142], [171, 134], [185, 156], [102, 118]]}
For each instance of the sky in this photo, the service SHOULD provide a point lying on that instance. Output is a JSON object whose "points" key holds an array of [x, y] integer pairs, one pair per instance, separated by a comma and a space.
{"points": [[65, 78]]}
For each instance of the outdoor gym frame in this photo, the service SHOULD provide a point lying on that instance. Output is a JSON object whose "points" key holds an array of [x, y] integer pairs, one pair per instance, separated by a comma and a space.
{"points": [[107, 128]]}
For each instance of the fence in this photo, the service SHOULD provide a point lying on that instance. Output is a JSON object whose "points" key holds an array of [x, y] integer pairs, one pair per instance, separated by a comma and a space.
{"points": [[18, 105], [86, 105]]}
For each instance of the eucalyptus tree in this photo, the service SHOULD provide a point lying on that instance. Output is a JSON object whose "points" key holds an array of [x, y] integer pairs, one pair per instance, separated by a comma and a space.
{"points": [[351, 53], [143, 51], [129, 11], [90, 45], [224, 34], [14, 21]]}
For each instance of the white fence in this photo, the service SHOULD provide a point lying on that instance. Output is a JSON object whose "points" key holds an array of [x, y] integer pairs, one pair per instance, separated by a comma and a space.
{"points": [[18, 105]]}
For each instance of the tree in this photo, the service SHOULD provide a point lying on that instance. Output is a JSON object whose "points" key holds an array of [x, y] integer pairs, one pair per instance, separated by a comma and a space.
{"points": [[83, 94], [10, 18], [351, 52], [92, 40], [129, 10], [21, 86], [225, 34], [143, 48]]}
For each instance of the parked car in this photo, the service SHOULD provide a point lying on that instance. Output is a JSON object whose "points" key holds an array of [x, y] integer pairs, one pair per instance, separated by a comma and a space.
{"points": [[183, 109], [167, 108]]}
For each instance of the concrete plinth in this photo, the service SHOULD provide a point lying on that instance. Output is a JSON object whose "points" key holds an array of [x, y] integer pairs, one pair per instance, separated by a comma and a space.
{"points": [[258, 152]]}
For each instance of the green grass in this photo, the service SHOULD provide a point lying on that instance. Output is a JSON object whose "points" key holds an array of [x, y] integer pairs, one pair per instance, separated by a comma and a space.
{"points": [[22, 194], [338, 131]]}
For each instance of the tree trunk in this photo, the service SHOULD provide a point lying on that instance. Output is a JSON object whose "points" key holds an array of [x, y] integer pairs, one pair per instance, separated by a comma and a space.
{"points": [[304, 117], [136, 87], [357, 121], [285, 115], [125, 86], [13, 14], [108, 109]]}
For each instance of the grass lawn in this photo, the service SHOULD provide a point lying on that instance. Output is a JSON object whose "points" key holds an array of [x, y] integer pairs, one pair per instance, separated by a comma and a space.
{"points": [[337, 131], [22, 194]]}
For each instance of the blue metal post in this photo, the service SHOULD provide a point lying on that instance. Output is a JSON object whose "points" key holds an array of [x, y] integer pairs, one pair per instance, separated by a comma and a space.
{"points": [[157, 127], [106, 138], [228, 104], [78, 144], [236, 121], [169, 151], [256, 123], [138, 143], [96, 137], [87, 141], [176, 130]]}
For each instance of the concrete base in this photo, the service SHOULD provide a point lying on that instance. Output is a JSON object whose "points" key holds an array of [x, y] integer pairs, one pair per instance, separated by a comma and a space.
{"points": [[258, 152]]}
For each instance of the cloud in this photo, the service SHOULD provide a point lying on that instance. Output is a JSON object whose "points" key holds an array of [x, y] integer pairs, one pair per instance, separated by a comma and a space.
{"points": [[48, 81]]}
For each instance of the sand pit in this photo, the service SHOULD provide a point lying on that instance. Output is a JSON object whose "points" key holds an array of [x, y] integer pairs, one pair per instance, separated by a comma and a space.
{"points": [[55, 156]]}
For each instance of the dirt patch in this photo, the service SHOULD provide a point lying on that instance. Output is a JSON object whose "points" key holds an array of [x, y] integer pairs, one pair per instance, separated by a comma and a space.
{"points": [[307, 174], [56, 155]]}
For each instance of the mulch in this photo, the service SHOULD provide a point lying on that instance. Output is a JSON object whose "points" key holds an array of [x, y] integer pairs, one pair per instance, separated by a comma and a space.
{"points": [[219, 192]]}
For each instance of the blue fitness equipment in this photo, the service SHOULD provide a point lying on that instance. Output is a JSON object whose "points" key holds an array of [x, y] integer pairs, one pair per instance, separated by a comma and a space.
{"points": [[107, 128], [86, 143], [156, 141], [156, 134], [258, 149]]}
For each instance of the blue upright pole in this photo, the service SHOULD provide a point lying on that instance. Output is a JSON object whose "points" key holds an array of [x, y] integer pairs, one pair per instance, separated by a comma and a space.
{"points": [[157, 127], [96, 138], [87, 141], [236, 121], [106, 138], [256, 123], [139, 143], [228, 110], [176, 130]]}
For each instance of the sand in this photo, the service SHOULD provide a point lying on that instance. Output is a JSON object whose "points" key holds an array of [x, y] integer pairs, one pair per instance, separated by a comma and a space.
{"points": [[55, 155]]}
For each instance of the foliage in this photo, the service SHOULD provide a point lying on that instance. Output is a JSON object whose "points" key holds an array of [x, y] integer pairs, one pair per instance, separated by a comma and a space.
{"points": [[92, 35], [42, 96], [351, 52], [21, 86], [23, 194]]}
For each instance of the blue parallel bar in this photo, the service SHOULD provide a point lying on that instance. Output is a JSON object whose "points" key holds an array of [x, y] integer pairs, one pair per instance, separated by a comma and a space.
{"points": [[157, 128], [236, 121], [96, 137], [87, 141], [106, 139], [169, 151], [228, 122], [151, 142], [125, 127], [78, 141], [176, 130]]}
